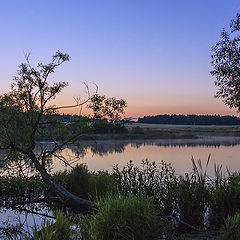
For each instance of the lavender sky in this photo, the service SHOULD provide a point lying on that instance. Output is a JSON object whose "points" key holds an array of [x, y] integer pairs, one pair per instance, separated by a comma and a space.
{"points": [[153, 53]]}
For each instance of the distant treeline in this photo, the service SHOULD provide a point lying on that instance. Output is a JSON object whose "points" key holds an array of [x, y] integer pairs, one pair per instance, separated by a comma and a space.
{"points": [[191, 119]]}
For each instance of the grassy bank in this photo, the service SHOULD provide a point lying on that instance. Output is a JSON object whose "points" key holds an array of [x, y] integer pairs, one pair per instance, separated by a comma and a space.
{"points": [[184, 130], [163, 131]]}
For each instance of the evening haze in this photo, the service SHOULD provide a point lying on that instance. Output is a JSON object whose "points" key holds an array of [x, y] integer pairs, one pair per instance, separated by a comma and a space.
{"points": [[153, 53]]}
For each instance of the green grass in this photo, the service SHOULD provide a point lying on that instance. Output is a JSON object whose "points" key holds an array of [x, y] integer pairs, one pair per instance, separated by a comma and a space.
{"points": [[60, 230], [231, 228], [165, 131], [122, 218], [183, 131]]}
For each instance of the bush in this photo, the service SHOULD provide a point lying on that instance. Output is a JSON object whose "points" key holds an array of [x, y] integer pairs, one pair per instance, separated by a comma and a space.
{"points": [[231, 229], [121, 218], [20, 189]]}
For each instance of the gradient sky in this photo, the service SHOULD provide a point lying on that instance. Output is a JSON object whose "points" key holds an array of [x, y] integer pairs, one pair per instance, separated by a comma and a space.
{"points": [[153, 53]]}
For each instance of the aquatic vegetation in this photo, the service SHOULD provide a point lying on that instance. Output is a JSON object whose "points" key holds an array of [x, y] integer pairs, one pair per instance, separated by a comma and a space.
{"points": [[194, 198], [231, 228], [225, 198], [120, 218], [61, 229]]}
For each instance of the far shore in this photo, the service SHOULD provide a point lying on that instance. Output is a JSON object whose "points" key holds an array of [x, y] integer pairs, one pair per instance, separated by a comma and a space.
{"points": [[166, 131]]}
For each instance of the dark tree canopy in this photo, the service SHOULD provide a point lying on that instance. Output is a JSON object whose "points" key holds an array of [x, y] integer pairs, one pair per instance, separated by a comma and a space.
{"points": [[191, 119], [226, 65]]}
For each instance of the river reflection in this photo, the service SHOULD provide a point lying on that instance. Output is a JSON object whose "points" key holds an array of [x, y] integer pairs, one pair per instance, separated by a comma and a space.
{"points": [[102, 155]]}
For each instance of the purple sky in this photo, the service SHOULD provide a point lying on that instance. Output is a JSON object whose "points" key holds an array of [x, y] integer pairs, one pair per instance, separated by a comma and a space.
{"points": [[153, 53]]}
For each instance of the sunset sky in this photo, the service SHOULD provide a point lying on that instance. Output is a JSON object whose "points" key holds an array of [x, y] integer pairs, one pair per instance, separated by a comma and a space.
{"points": [[153, 53]]}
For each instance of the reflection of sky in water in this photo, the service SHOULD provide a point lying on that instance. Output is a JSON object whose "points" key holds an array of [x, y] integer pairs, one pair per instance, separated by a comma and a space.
{"points": [[101, 155], [26, 220]]}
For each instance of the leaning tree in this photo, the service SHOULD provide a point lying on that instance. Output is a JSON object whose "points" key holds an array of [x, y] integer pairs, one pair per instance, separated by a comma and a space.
{"points": [[226, 65], [26, 115]]}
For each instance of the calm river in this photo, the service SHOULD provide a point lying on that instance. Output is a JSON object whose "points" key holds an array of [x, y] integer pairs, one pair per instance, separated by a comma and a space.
{"points": [[102, 155]]}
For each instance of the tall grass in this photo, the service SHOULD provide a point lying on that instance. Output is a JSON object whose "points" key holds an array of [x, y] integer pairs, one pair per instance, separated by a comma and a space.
{"points": [[60, 230], [122, 218], [150, 179], [225, 198], [231, 228], [191, 201], [83, 183], [195, 198]]}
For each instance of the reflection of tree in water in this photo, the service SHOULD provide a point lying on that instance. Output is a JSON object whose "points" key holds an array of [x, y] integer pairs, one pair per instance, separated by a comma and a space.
{"points": [[106, 147], [78, 150], [72, 153], [98, 148], [182, 143], [18, 164]]}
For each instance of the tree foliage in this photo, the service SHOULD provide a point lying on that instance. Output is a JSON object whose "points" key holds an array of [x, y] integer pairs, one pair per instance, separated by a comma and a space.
{"points": [[191, 119], [27, 104], [226, 65], [107, 107]]}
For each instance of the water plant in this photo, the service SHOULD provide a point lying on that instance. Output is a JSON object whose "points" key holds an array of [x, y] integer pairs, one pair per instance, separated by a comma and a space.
{"points": [[76, 180], [150, 179], [122, 217], [231, 228], [60, 230], [225, 198]]}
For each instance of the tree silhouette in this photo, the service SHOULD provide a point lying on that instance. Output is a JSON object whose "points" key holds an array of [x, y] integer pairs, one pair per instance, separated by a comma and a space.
{"points": [[26, 115], [226, 65]]}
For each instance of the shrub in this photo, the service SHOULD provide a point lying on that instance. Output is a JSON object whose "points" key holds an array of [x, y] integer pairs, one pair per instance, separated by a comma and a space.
{"points": [[121, 218], [231, 229]]}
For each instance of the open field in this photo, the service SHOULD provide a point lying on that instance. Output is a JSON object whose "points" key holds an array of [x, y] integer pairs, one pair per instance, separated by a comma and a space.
{"points": [[182, 131]]}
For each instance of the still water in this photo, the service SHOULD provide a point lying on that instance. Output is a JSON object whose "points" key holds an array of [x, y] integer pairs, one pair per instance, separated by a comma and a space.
{"points": [[102, 155]]}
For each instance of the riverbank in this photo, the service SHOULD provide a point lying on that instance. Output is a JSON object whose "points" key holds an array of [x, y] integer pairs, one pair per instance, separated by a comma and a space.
{"points": [[189, 207], [164, 131]]}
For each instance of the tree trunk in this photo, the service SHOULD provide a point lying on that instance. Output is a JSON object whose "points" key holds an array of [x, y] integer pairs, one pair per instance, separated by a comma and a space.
{"points": [[70, 198]]}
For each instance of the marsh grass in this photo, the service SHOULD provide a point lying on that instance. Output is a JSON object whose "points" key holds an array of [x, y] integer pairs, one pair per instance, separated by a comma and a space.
{"points": [[194, 198], [121, 218], [83, 183], [202, 201], [231, 228], [18, 189], [76, 180], [225, 198], [183, 131], [60, 230]]}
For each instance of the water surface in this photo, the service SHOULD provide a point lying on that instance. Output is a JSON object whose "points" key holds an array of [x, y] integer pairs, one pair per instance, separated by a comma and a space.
{"points": [[102, 155]]}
